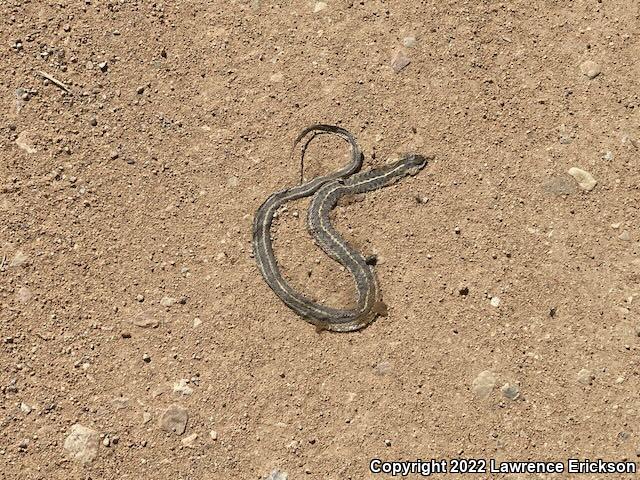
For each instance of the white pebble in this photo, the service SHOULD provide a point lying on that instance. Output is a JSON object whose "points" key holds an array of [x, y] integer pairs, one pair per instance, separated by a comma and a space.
{"points": [[585, 179]]}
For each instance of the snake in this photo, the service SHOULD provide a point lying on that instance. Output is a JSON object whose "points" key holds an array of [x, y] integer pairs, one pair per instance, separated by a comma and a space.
{"points": [[326, 191]]}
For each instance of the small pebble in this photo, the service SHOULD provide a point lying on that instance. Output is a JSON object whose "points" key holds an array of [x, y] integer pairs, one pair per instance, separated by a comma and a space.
{"points": [[590, 69], [512, 392], [103, 66], [190, 440], [82, 443], [484, 384], [145, 319], [387, 443], [140, 90], [585, 179], [625, 236], [495, 302], [319, 6], [167, 301], [214, 435], [24, 408], [174, 419], [197, 322], [93, 121], [146, 358], [182, 387], [399, 61], [586, 377], [409, 41], [277, 475]]}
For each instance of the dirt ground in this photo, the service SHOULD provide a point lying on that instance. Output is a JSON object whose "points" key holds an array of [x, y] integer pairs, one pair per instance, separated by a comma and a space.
{"points": [[129, 299]]}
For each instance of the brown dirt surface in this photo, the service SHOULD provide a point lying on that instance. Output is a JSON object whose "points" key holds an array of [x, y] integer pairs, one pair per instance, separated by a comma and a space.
{"points": [[129, 298]]}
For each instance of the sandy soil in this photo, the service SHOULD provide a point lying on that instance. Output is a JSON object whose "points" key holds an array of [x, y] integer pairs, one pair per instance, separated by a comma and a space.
{"points": [[126, 204]]}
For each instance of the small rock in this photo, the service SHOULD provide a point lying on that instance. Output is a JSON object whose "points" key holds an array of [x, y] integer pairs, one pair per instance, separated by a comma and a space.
{"points": [[103, 66], [608, 155], [145, 319], [616, 225], [624, 236], [585, 179], [495, 302], [106, 442], [275, 78], [586, 377], [277, 475], [189, 441], [174, 419], [18, 259], [23, 295], [512, 392], [387, 443], [214, 435], [182, 387], [464, 291], [484, 384], [167, 301], [82, 443], [24, 408], [146, 358], [319, 6], [25, 142], [146, 417], [409, 41], [93, 121], [399, 61], [140, 90], [590, 69], [197, 322]]}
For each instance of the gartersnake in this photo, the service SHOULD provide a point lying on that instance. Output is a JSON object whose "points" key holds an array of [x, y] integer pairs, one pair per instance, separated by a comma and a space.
{"points": [[326, 191]]}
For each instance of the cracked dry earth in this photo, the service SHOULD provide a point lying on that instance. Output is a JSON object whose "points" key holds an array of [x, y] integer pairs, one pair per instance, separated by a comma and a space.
{"points": [[137, 338]]}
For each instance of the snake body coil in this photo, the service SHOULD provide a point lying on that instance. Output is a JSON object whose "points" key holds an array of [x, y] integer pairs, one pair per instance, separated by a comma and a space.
{"points": [[326, 191]]}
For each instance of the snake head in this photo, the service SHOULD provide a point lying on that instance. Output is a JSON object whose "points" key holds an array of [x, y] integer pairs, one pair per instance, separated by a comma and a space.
{"points": [[415, 162]]}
